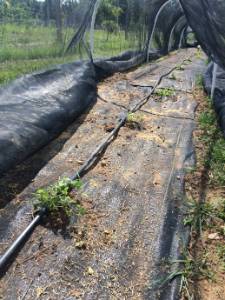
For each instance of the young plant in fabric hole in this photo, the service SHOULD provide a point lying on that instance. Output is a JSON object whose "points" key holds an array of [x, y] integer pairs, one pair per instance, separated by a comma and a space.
{"points": [[165, 92], [135, 121], [59, 200]]}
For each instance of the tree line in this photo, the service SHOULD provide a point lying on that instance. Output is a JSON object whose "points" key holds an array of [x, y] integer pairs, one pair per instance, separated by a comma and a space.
{"points": [[112, 14]]}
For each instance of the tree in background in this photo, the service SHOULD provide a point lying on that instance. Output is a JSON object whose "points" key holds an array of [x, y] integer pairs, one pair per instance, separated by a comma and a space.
{"points": [[47, 12], [108, 16], [14, 11], [58, 19]]}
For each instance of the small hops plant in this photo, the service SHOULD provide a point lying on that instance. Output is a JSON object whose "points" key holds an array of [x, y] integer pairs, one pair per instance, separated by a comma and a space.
{"points": [[57, 197]]}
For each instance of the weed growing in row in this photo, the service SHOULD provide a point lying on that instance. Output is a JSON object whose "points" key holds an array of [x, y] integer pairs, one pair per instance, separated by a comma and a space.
{"points": [[165, 92], [204, 215], [180, 68], [57, 198], [135, 121], [188, 268]]}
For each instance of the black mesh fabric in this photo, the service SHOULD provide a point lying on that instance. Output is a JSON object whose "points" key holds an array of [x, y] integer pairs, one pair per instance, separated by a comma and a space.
{"points": [[206, 17], [146, 26]]}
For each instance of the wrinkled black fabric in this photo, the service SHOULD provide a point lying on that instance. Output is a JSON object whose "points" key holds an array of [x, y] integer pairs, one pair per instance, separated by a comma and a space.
{"points": [[219, 93], [36, 108], [168, 22], [206, 17]]}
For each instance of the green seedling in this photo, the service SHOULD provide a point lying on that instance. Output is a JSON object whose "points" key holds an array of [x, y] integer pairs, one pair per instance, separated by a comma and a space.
{"points": [[180, 68], [134, 121], [165, 92], [199, 53], [57, 198]]}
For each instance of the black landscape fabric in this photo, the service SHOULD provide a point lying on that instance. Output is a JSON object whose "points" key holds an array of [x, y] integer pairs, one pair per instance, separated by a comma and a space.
{"points": [[37, 107]]}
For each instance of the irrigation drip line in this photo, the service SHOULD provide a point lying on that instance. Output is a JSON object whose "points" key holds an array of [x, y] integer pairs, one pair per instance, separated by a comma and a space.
{"points": [[6, 258], [97, 152], [166, 116], [150, 86], [111, 102], [146, 111]]}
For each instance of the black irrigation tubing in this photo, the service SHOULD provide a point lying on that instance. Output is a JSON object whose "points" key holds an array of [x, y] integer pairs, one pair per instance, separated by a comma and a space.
{"points": [[146, 111], [6, 258], [166, 116], [97, 152], [150, 86]]}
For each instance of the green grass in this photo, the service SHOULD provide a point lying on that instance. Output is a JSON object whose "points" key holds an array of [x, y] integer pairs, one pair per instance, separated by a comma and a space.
{"points": [[199, 80], [10, 70], [29, 53], [114, 45], [221, 254], [212, 137], [25, 49], [28, 48], [199, 53], [20, 42], [204, 215], [217, 166], [57, 198], [188, 269]]}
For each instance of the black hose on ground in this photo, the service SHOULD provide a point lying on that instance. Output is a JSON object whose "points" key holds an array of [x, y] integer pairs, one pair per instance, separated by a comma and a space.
{"points": [[7, 256]]}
